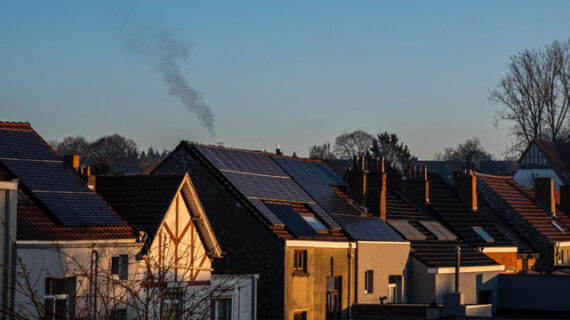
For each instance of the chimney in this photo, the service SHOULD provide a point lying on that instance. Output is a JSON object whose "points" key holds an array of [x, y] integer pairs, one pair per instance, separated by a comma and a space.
{"points": [[72, 161], [466, 185], [416, 185], [376, 193], [565, 198], [356, 180], [544, 194]]}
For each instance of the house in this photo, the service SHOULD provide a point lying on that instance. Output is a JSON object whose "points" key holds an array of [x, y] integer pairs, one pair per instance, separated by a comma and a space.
{"points": [[544, 159], [469, 217], [430, 271], [269, 225], [534, 214], [180, 245], [381, 254], [65, 235], [447, 168]]}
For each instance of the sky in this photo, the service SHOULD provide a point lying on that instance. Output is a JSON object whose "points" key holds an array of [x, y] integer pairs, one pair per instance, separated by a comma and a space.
{"points": [[293, 73]]}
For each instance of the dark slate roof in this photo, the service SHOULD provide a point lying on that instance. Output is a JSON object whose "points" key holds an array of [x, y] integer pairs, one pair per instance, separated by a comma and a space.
{"points": [[141, 200], [367, 228], [432, 252], [446, 203], [256, 177], [521, 200], [59, 189]]}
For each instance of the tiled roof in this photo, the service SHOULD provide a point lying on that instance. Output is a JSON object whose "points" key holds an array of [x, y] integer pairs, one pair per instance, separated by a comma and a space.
{"points": [[34, 223], [255, 177], [460, 217], [18, 126], [141, 200], [521, 200], [431, 251]]}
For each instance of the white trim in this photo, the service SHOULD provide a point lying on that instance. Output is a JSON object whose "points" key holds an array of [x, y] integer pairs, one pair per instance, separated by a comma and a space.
{"points": [[383, 242], [318, 244], [562, 244], [447, 270], [499, 249], [32, 244], [9, 185]]}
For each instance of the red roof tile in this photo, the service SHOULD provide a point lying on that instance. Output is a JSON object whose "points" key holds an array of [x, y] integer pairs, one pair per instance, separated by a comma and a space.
{"points": [[521, 199]]}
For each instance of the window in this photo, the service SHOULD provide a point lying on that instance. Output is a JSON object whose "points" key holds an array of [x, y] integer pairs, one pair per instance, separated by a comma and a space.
{"points": [[394, 285], [300, 315], [369, 281], [59, 300], [557, 226], [119, 314], [300, 261], [334, 294], [483, 234], [120, 266], [438, 230], [314, 222], [221, 309], [172, 304], [407, 230]]}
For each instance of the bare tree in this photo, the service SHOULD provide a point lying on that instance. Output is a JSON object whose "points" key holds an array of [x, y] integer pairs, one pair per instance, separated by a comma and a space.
{"points": [[535, 95], [322, 152], [471, 153], [357, 143]]}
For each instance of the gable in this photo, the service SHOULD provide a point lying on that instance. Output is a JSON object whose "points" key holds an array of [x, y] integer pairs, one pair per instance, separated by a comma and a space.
{"points": [[533, 157]]}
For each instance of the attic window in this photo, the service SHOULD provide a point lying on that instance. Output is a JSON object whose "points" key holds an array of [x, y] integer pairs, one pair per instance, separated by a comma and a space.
{"points": [[313, 221], [483, 234], [438, 230], [557, 226]]}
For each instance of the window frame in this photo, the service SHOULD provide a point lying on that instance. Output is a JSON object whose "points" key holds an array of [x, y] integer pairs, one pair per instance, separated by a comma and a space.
{"points": [[214, 307], [120, 266], [300, 261], [300, 315], [369, 281]]}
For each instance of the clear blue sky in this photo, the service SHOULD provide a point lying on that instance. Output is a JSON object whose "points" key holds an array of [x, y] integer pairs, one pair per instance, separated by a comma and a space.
{"points": [[297, 73]]}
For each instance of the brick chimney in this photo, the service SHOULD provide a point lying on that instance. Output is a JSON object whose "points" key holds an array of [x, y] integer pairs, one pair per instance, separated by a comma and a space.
{"points": [[565, 198], [376, 193], [544, 194], [466, 185], [416, 185], [367, 184], [72, 161]]}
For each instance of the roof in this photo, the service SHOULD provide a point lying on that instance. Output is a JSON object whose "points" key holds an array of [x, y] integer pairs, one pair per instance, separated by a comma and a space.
{"points": [[431, 251], [557, 154], [141, 200], [54, 202], [367, 228], [258, 179], [521, 200], [445, 201]]}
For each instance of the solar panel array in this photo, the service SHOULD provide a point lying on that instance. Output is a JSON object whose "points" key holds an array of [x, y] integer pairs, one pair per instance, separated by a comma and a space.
{"points": [[58, 188], [407, 230], [438, 230], [294, 222], [367, 228], [316, 178], [241, 161], [267, 187]]}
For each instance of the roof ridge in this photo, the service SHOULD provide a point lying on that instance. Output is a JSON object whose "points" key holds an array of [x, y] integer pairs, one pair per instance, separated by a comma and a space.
{"points": [[491, 175], [251, 151], [15, 125]]}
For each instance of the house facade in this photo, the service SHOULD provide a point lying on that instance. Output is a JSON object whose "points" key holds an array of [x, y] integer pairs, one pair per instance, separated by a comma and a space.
{"points": [[543, 159], [269, 225]]}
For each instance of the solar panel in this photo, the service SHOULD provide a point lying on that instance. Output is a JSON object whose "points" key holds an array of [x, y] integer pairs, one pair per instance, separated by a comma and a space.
{"points": [[24, 145], [438, 230], [268, 214], [407, 230], [267, 187], [242, 161], [294, 222], [308, 171], [367, 228]]}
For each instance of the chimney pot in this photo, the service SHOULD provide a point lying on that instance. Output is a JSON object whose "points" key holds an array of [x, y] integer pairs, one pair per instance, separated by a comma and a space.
{"points": [[72, 161]]}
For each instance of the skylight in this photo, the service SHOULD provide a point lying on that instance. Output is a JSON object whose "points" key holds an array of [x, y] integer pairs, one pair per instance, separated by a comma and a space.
{"points": [[483, 234], [314, 222], [407, 230], [557, 226]]}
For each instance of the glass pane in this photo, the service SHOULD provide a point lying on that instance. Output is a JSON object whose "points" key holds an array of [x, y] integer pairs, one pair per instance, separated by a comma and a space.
{"points": [[314, 222], [483, 234]]}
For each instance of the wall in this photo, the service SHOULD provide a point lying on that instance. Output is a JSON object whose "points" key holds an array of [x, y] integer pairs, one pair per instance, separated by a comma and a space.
{"points": [[250, 247], [421, 284], [308, 292], [534, 292], [385, 259], [69, 259], [510, 261], [525, 177], [241, 289], [470, 283], [8, 214]]}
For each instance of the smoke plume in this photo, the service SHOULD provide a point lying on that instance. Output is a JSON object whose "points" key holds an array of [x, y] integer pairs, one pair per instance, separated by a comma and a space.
{"points": [[167, 49]]}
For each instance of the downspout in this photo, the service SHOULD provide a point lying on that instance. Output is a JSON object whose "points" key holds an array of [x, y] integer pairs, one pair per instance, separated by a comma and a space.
{"points": [[349, 278], [253, 297], [93, 287]]}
